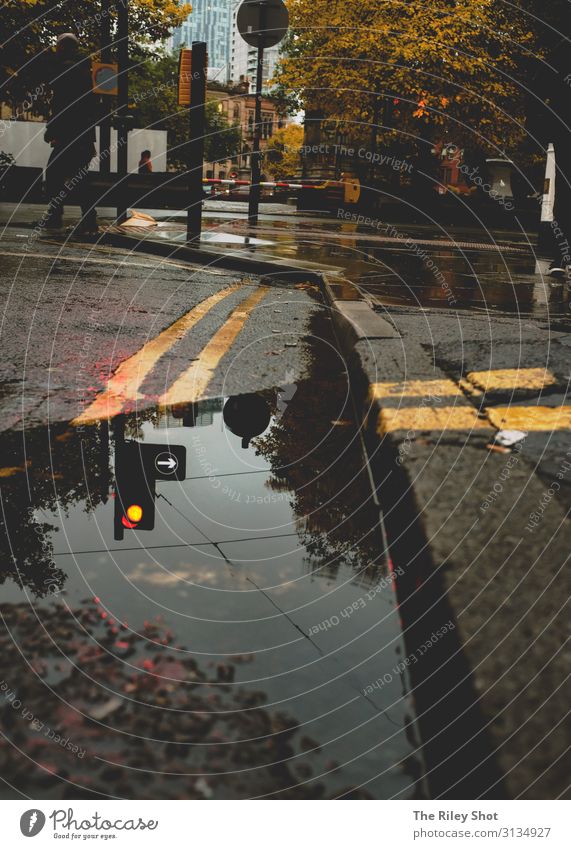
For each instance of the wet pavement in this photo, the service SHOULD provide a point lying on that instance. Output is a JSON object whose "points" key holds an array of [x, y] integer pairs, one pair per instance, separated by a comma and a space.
{"points": [[399, 265], [216, 654], [236, 633], [406, 266], [424, 266]]}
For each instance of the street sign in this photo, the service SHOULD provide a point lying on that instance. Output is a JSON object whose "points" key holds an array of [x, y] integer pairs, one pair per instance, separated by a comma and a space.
{"points": [[104, 76], [184, 76], [262, 23], [165, 462]]}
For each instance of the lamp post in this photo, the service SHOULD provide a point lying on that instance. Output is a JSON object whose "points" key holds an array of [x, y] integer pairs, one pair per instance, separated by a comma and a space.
{"points": [[123, 98], [261, 23], [196, 141], [105, 122]]}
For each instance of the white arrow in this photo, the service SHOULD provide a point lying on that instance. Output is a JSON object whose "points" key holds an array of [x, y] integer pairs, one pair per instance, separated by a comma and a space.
{"points": [[171, 462]]}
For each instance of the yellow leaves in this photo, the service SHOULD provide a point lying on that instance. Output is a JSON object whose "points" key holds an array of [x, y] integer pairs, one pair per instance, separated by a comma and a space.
{"points": [[167, 10], [422, 104], [439, 59]]}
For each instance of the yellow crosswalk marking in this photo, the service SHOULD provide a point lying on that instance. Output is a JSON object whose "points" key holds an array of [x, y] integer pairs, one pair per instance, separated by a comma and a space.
{"points": [[511, 378], [430, 418], [530, 418], [465, 417], [125, 383], [414, 389], [191, 385]]}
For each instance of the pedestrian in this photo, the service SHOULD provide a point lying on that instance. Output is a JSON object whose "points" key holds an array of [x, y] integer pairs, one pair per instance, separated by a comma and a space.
{"points": [[71, 133], [145, 164]]}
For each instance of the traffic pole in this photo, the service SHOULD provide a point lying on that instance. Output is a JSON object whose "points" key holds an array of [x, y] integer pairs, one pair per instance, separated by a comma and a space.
{"points": [[254, 198], [196, 140], [105, 122], [123, 98]]}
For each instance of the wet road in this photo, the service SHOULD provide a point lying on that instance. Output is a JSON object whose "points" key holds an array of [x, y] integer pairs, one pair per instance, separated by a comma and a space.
{"points": [[235, 634], [226, 643], [230, 649], [399, 264], [73, 313]]}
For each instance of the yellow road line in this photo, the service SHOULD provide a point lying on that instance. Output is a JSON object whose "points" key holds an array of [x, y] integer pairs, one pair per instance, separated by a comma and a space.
{"points": [[125, 383], [430, 418], [511, 378], [530, 418], [189, 387], [414, 389], [467, 418]]}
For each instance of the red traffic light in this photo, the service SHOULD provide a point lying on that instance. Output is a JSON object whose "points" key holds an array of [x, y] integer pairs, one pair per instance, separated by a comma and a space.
{"points": [[134, 515]]}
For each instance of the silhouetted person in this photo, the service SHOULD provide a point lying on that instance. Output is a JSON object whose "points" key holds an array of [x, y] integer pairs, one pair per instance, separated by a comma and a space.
{"points": [[71, 133], [145, 164]]}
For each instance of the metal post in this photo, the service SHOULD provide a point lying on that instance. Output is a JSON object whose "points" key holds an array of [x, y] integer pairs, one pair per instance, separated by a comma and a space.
{"points": [[105, 122], [254, 198], [118, 438], [196, 141], [123, 110]]}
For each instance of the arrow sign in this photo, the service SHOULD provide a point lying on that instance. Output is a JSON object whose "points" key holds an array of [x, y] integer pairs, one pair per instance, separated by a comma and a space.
{"points": [[171, 463], [165, 462]]}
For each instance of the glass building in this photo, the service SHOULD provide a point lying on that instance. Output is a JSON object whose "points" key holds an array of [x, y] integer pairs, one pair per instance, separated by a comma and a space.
{"points": [[210, 21]]}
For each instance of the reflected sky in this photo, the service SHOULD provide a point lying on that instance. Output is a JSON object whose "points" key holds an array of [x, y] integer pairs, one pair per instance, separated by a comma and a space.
{"points": [[263, 573]]}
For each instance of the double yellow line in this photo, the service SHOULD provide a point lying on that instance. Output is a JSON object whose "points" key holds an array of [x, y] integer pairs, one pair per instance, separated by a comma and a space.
{"points": [[123, 388], [461, 415]]}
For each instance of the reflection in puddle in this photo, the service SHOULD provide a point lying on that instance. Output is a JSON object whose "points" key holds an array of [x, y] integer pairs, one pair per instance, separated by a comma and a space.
{"points": [[413, 273], [166, 613]]}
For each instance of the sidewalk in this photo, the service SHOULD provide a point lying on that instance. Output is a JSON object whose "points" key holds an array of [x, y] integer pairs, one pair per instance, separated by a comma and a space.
{"points": [[482, 530]]}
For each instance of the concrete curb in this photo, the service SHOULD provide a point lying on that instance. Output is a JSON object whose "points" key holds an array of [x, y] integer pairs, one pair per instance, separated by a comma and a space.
{"points": [[275, 270], [465, 563]]}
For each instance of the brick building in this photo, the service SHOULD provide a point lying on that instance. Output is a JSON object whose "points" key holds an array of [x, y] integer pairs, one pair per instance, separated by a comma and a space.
{"points": [[238, 105]]}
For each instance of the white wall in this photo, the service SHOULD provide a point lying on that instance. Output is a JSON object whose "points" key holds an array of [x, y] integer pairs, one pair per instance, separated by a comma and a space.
{"points": [[25, 141]]}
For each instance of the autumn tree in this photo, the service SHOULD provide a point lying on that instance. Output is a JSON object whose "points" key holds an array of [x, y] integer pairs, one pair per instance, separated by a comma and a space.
{"points": [[282, 157], [30, 28], [418, 71]]}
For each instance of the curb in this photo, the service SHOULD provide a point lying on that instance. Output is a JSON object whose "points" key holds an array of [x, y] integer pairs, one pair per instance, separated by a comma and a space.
{"points": [[444, 730], [463, 562], [262, 268]]}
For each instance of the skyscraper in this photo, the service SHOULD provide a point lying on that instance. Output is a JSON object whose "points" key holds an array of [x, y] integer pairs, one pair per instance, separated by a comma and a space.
{"points": [[242, 59], [210, 21]]}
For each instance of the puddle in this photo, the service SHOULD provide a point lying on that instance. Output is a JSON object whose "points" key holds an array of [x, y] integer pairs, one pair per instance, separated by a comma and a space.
{"points": [[411, 272], [217, 641]]}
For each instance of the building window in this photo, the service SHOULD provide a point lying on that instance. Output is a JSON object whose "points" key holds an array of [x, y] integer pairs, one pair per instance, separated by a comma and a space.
{"points": [[267, 125]]}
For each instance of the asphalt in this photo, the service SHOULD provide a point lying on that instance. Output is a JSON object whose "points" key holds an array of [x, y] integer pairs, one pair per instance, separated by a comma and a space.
{"points": [[72, 313], [481, 533], [483, 530]]}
